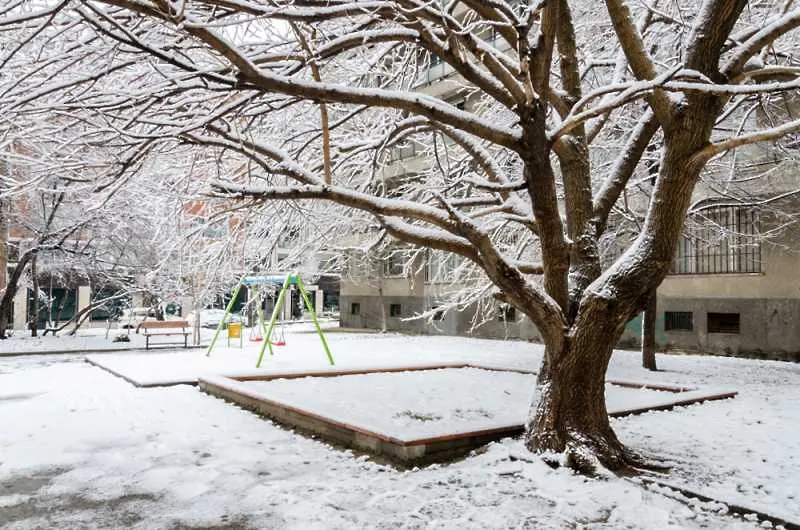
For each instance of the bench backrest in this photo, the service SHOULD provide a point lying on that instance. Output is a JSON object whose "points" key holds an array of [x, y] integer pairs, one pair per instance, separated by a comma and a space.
{"points": [[164, 324]]}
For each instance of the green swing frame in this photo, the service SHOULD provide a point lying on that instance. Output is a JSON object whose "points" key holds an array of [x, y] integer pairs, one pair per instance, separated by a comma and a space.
{"points": [[286, 282]]}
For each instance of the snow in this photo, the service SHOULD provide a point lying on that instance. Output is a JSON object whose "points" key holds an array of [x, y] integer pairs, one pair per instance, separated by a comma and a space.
{"points": [[422, 404], [86, 340], [81, 448], [92, 339], [303, 351]]}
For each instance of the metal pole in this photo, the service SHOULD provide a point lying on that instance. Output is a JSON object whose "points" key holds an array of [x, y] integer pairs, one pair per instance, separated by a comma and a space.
{"points": [[304, 294], [222, 322], [260, 313], [275, 313]]}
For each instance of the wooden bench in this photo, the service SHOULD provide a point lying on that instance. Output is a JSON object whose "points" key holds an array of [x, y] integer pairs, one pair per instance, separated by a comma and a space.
{"points": [[164, 328]]}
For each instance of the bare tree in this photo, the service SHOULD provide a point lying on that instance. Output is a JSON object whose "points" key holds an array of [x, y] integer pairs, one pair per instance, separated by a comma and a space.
{"points": [[561, 108], [48, 233]]}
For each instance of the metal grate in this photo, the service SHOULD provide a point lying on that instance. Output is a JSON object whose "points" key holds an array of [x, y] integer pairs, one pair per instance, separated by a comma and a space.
{"points": [[721, 240], [678, 321]]}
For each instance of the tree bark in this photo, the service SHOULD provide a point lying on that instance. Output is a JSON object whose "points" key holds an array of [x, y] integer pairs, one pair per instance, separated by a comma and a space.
{"points": [[34, 311], [649, 333], [11, 290], [568, 418], [4, 311]]}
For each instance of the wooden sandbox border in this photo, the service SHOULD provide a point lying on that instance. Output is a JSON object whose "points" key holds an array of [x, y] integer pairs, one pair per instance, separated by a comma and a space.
{"points": [[406, 452]]}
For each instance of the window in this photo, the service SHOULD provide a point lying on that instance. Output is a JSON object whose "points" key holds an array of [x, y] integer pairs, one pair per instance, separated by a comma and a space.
{"points": [[506, 313], [720, 240], [441, 266], [438, 313], [355, 308], [678, 321], [395, 310], [55, 304], [723, 322], [393, 264]]}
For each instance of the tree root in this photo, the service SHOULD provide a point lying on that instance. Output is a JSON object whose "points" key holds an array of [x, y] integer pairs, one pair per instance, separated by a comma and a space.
{"points": [[592, 455]]}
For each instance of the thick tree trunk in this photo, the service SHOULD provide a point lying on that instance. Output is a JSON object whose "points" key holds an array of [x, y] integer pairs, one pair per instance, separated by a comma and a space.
{"points": [[569, 421], [569, 416], [649, 333]]}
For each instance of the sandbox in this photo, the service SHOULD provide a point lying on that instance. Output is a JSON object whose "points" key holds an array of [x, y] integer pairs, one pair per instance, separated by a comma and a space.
{"points": [[422, 414]]}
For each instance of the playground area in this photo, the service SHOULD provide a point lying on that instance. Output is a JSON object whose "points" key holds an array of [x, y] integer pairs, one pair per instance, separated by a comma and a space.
{"points": [[425, 405], [83, 448]]}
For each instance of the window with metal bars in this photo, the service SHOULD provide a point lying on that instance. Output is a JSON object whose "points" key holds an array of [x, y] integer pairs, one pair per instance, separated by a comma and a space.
{"points": [[720, 240], [678, 321]]}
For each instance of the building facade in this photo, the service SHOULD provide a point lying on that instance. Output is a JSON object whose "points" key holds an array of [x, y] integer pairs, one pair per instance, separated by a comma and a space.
{"points": [[734, 288]]}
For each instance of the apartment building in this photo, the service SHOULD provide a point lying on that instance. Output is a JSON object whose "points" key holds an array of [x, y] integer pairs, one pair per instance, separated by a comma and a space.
{"points": [[734, 288]]}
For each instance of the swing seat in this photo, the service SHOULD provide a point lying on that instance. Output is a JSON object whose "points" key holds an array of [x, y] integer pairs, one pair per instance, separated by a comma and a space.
{"points": [[278, 343], [256, 339]]}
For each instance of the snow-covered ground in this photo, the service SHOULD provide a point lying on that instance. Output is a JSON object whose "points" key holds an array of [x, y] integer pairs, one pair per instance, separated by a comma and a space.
{"points": [[429, 403], [99, 339], [88, 339], [80, 448]]}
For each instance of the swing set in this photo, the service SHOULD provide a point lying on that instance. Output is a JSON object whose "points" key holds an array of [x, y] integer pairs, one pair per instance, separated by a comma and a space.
{"points": [[269, 337]]}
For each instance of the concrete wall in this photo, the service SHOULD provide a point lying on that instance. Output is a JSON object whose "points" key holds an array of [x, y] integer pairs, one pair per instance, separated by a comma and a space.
{"points": [[768, 328], [369, 315], [453, 322], [779, 278], [765, 326], [768, 304]]}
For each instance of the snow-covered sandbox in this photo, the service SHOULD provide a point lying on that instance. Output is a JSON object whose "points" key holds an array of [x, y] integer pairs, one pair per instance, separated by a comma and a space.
{"points": [[418, 414]]}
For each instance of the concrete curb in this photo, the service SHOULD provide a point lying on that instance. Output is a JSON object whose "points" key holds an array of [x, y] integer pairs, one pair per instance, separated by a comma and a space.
{"points": [[97, 350]]}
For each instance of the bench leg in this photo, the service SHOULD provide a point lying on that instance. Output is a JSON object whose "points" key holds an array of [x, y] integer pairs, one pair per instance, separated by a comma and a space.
{"points": [[147, 342]]}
